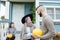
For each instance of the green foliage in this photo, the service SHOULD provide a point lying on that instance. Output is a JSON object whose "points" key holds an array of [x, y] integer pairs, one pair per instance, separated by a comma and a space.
{"points": [[32, 9]]}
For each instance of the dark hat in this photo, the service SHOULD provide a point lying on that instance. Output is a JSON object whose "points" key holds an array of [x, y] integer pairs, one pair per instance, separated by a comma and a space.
{"points": [[29, 15]]}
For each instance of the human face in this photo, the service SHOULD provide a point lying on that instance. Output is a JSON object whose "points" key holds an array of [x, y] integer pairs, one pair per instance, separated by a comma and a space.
{"points": [[39, 12], [12, 25], [29, 20]]}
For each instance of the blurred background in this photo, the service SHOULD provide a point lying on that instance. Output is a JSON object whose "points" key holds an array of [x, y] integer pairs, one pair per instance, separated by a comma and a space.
{"points": [[14, 10]]}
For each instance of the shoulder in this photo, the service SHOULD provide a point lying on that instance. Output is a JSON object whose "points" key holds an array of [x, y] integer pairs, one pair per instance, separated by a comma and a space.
{"points": [[48, 19], [33, 25]]}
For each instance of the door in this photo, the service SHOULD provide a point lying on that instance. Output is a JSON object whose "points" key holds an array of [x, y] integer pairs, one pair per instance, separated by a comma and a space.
{"points": [[17, 14]]}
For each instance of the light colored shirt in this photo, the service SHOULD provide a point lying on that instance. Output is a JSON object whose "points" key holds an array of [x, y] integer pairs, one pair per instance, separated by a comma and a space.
{"points": [[28, 35], [12, 31], [28, 30], [48, 28]]}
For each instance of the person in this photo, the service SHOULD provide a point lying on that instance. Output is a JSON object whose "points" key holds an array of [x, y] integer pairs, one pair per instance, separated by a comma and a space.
{"points": [[28, 27], [47, 24], [11, 30]]}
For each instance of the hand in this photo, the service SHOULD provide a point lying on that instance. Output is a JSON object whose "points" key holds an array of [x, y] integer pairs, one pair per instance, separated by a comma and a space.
{"points": [[38, 36], [34, 36]]}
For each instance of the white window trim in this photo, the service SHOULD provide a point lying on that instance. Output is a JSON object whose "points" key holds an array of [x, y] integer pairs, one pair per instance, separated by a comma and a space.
{"points": [[54, 14], [54, 10], [51, 1], [53, 21], [52, 6], [37, 18], [48, 7]]}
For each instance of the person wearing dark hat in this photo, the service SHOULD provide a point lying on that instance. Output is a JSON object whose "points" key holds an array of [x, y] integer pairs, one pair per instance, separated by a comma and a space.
{"points": [[28, 27]]}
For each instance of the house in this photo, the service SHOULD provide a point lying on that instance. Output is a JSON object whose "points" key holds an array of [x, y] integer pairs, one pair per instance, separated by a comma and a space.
{"points": [[52, 7], [14, 10]]}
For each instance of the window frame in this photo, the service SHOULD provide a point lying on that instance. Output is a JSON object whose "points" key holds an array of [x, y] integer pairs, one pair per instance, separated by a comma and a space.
{"points": [[4, 4], [55, 20], [10, 13]]}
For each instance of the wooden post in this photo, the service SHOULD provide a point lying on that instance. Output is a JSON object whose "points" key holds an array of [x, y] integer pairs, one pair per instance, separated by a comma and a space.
{"points": [[37, 17]]}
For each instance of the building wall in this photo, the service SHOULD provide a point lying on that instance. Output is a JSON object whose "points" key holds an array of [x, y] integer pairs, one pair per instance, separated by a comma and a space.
{"points": [[9, 6], [52, 8], [19, 0], [17, 14]]}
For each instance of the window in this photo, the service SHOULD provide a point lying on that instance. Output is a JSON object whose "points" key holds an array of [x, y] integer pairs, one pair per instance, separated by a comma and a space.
{"points": [[54, 12], [50, 11], [4, 11], [57, 13]]}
